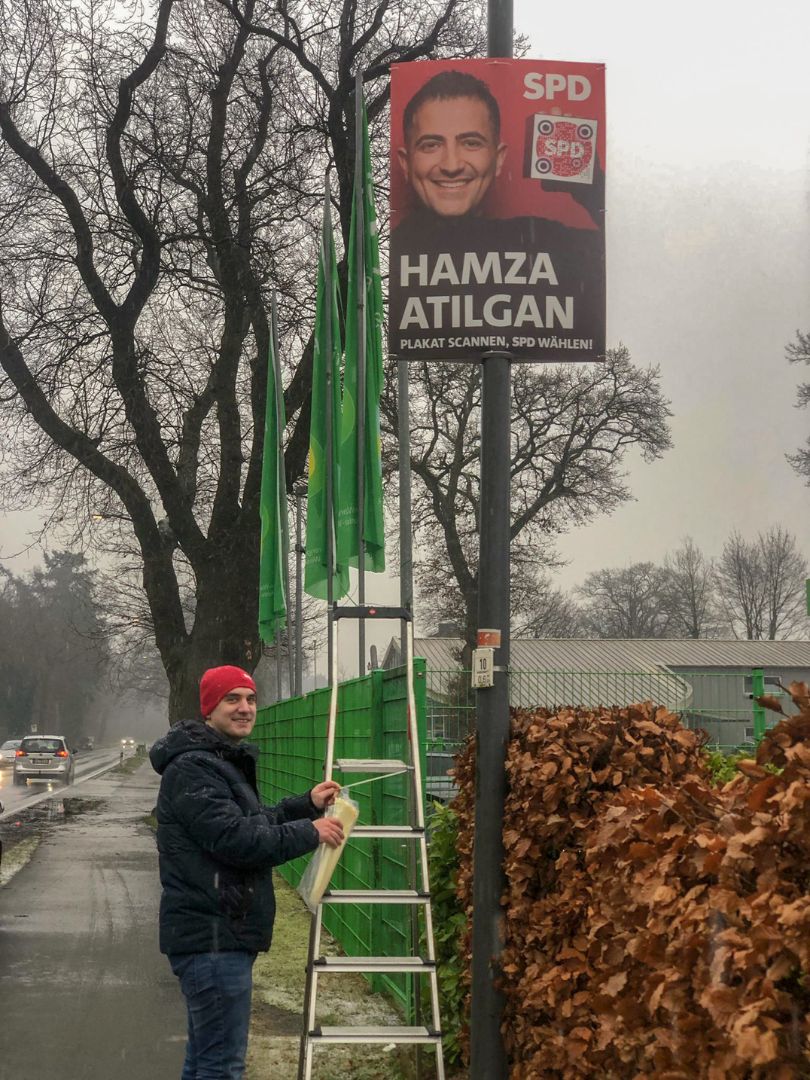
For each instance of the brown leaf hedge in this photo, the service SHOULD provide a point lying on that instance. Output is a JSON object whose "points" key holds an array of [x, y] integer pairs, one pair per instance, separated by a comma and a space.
{"points": [[655, 926]]}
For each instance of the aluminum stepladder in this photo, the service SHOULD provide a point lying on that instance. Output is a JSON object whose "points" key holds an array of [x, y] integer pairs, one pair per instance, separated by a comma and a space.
{"points": [[317, 965]]}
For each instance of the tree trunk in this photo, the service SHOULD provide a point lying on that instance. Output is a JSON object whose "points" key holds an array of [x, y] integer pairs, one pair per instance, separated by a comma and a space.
{"points": [[225, 624]]}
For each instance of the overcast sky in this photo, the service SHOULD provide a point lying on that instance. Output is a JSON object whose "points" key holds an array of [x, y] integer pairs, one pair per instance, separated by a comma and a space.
{"points": [[708, 230]]}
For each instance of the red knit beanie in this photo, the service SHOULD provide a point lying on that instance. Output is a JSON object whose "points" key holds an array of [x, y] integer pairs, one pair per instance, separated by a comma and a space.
{"points": [[219, 681]]}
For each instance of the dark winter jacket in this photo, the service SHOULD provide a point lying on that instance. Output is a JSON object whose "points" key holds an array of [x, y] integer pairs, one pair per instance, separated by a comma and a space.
{"points": [[217, 843]]}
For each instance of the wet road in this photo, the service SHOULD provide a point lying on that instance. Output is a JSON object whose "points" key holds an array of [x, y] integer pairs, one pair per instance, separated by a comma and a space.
{"points": [[84, 993], [89, 763]]}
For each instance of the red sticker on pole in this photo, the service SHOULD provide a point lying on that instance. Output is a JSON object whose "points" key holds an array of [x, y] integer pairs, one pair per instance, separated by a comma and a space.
{"points": [[489, 639]]}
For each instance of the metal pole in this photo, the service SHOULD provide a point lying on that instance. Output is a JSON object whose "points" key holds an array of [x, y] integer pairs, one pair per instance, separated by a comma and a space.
{"points": [[487, 1052], [360, 270], [330, 437], [500, 28], [277, 647], [488, 1057], [406, 601], [405, 533], [757, 691], [299, 582], [282, 487]]}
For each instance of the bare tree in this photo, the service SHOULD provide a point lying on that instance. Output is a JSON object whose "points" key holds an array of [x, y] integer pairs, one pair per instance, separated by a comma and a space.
{"points": [[761, 584], [550, 612], [158, 176], [798, 352], [53, 658], [626, 603], [690, 594], [741, 587], [572, 427]]}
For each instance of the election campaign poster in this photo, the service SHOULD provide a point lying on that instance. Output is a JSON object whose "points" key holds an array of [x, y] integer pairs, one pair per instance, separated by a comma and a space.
{"points": [[497, 210]]}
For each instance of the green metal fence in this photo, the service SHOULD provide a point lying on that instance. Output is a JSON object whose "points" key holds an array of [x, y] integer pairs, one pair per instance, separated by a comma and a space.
{"points": [[720, 702], [372, 723]]}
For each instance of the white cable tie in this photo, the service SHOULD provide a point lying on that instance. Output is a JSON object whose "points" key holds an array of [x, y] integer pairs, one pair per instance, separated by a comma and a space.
{"points": [[382, 776]]}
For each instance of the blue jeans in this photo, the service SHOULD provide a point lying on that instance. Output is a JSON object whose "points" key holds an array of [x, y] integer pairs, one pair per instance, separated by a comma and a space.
{"points": [[217, 988]]}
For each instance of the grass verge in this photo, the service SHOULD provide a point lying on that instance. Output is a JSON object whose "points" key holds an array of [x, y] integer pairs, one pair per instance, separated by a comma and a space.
{"points": [[278, 1003], [15, 857]]}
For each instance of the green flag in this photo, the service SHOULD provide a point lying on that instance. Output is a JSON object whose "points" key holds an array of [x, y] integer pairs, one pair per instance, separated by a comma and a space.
{"points": [[364, 279], [326, 358], [275, 542]]}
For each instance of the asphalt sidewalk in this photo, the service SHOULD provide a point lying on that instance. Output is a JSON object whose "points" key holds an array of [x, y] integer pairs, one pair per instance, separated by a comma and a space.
{"points": [[86, 995], [84, 992]]}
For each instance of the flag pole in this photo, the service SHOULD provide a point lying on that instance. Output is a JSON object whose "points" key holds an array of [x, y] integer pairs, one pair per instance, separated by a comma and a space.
{"points": [[360, 271], [274, 589], [277, 645], [330, 439], [405, 516], [282, 488], [299, 584]]}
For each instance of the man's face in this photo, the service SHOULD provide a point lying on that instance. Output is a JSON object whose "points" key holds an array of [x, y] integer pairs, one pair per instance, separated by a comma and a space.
{"points": [[235, 715], [452, 156]]}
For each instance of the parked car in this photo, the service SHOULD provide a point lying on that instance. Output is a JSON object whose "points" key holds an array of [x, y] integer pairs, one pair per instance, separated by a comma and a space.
{"points": [[43, 757], [7, 754]]}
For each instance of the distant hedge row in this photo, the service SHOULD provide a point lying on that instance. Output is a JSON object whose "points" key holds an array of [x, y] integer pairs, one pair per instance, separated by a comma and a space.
{"points": [[657, 927]]}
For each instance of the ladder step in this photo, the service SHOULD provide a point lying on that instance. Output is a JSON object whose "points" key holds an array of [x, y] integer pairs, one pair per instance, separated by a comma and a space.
{"points": [[375, 1035], [375, 896], [371, 765], [371, 611], [390, 832], [388, 964]]}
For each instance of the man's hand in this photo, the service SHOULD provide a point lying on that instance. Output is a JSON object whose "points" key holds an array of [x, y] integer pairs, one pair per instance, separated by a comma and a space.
{"points": [[330, 831], [324, 794]]}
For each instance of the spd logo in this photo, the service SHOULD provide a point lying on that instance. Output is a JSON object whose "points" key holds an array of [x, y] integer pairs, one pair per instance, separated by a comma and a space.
{"points": [[563, 148]]}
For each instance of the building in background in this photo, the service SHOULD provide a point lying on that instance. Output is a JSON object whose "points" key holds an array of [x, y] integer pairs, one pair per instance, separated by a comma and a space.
{"points": [[710, 683]]}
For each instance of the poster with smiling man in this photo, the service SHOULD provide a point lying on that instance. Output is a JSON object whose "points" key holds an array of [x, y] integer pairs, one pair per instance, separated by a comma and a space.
{"points": [[497, 210]]}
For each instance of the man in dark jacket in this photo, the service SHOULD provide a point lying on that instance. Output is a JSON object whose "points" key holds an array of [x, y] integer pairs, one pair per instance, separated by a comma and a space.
{"points": [[217, 845]]}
